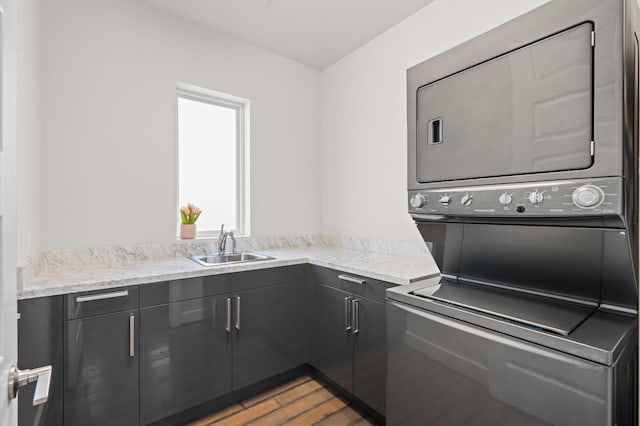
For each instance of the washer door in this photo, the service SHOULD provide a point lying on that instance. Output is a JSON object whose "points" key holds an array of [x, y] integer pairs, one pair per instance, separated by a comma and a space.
{"points": [[442, 371]]}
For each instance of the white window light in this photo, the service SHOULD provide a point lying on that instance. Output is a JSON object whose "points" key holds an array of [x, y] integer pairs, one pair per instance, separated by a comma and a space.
{"points": [[212, 149]]}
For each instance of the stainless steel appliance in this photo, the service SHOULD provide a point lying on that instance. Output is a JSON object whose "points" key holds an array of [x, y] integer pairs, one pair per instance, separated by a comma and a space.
{"points": [[523, 180]]}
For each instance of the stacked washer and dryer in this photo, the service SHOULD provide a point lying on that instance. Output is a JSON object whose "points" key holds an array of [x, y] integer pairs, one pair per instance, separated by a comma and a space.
{"points": [[523, 181]]}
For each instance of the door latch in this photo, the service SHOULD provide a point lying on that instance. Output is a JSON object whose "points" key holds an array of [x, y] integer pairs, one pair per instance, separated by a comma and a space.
{"points": [[19, 378]]}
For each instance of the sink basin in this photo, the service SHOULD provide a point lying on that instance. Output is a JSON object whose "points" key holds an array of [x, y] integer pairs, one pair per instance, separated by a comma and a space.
{"points": [[214, 259]]}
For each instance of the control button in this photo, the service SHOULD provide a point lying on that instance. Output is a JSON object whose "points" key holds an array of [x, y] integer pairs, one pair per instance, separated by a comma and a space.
{"points": [[536, 197], [520, 209], [587, 197], [445, 200], [466, 200], [418, 201], [505, 199]]}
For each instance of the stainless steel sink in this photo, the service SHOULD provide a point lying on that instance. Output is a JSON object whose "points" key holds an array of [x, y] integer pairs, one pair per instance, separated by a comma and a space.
{"points": [[214, 259]]}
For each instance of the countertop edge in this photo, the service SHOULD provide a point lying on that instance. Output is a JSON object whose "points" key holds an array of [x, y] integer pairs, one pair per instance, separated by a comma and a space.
{"points": [[46, 287]]}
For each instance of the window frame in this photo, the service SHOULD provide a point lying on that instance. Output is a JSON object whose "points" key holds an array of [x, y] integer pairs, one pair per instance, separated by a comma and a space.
{"points": [[240, 106]]}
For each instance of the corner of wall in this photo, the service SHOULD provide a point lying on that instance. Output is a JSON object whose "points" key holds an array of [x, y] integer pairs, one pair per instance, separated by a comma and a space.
{"points": [[29, 132]]}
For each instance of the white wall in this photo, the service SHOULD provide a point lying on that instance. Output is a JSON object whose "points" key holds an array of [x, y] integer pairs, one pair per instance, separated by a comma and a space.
{"points": [[102, 169], [109, 73], [364, 136], [28, 135]]}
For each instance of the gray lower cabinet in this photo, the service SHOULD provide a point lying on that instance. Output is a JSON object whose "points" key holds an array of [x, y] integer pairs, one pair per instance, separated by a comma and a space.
{"points": [[136, 355], [185, 356], [40, 340], [349, 333], [100, 359], [202, 338], [267, 333]]}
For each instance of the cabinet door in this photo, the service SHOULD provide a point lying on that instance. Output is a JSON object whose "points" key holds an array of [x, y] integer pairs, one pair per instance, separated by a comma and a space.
{"points": [[268, 335], [369, 365], [185, 356], [40, 343], [101, 370], [333, 338]]}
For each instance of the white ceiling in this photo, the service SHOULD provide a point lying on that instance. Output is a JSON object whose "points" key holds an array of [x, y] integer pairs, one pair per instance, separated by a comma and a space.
{"points": [[314, 32]]}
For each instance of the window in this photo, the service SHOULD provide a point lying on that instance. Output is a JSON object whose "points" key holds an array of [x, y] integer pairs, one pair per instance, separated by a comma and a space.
{"points": [[211, 164]]}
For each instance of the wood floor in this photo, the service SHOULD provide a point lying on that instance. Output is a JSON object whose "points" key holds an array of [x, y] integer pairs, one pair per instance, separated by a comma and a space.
{"points": [[303, 401]]}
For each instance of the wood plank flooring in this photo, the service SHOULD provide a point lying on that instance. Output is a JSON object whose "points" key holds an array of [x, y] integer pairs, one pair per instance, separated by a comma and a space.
{"points": [[304, 401]]}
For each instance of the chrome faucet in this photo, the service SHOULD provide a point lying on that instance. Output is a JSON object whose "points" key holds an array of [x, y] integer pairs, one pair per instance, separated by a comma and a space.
{"points": [[222, 241]]}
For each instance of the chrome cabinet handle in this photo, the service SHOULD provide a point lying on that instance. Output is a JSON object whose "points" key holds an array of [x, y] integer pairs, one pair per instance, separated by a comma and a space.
{"points": [[132, 336], [102, 296], [228, 323], [19, 378], [238, 313], [347, 312], [351, 279], [355, 311]]}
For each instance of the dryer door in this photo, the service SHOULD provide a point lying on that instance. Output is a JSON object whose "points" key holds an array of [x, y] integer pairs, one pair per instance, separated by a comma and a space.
{"points": [[527, 111]]}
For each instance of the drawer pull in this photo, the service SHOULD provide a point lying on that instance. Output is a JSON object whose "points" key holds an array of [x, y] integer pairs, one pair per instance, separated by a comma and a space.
{"points": [[102, 296], [351, 279]]}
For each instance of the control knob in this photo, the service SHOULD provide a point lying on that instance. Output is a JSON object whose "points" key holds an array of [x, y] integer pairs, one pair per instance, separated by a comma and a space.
{"points": [[505, 199], [466, 200], [587, 196], [445, 200], [418, 201], [536, 197]]}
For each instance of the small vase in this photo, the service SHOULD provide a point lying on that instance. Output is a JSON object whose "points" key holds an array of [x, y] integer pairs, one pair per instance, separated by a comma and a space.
{"points": [[187, 231]]}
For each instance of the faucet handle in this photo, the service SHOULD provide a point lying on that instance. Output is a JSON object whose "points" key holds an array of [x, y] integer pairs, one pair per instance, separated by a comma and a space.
{"points": [[232, 249]]}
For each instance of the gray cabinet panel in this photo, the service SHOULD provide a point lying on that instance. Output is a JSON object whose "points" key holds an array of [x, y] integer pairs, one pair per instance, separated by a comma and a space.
{"points": [[333, 342], [39, 344], [369, 360], [268, 336], [185, 356], [240, 281], [177, 290], [100, 375]]}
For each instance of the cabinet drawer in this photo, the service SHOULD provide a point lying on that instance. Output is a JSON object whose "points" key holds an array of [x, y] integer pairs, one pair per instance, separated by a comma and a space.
{"points": [[179, 290], [246, 280], [89, 303], [351, 283]]}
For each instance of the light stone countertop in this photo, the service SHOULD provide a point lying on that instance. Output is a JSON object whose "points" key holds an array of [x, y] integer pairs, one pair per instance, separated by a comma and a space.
{"points": [[75, 278]]}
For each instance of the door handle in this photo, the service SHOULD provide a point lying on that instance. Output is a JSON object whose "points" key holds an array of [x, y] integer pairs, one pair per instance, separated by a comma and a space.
{"points": [[347, 314], [228, 323], [355, 312], [132, 336], [238, 313], [19, 378]]}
